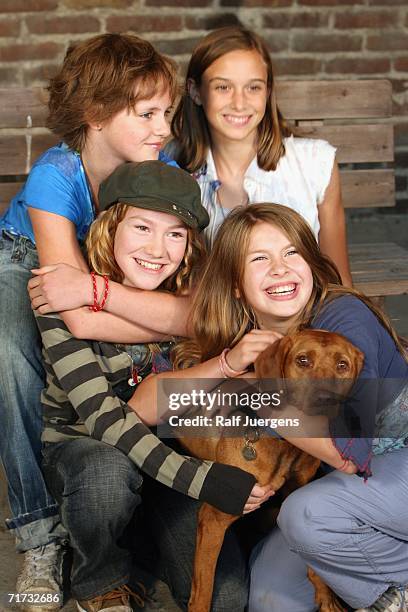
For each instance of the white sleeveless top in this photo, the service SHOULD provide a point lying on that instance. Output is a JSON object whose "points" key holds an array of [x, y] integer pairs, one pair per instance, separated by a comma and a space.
{"points": [[299, 182]]}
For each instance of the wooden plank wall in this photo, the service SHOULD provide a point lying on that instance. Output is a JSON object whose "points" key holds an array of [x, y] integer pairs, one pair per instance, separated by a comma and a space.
{"points": [[317, 109]]}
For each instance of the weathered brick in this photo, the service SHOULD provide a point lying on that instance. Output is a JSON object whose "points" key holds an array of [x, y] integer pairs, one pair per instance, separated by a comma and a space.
{"points": [[62, 25], [16, 53], [353, 65], [366, 19], [276, 42], [179, 46], [82, 4], [252, 3], [401, 64], [9, 76], [39, 75], [400, 109], [388, 41], [320, 43], [179, 3], [386, 2], [300, 19], [16, 6], [328, 2], [284, 66], [9, 27], [143, 23], [399, 85], [210, 22]]}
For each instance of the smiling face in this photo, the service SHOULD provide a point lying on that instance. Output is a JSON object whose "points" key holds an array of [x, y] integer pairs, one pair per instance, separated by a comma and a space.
{"points": [[277, 281], [233, 93], [149, 247], [137, 134]]}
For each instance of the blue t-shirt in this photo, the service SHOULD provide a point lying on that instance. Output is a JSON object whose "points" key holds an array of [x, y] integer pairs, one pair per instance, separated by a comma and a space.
{"points": [[382, 380], [57, 183]]}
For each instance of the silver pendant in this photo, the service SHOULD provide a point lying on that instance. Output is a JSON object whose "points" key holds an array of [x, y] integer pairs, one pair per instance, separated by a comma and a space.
{"points": [[249, 453]]}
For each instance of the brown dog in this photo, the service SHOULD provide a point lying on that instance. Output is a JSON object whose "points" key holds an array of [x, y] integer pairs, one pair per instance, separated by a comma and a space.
{"points": [[306, 355]]}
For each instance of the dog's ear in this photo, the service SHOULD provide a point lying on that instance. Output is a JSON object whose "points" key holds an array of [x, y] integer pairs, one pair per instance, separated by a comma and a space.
{"points": [[358, 361], [271, 362]]}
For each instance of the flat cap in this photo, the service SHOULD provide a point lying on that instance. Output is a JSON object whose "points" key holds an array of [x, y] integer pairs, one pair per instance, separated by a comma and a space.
{"points": [[156, 186]]}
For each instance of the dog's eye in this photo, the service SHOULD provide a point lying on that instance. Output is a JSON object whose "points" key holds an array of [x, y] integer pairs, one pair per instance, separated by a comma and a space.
{"points": [[342, 366], [303, 361]]}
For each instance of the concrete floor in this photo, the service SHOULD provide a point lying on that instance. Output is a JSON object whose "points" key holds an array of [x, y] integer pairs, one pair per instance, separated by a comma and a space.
{"points": [[361, 228]]}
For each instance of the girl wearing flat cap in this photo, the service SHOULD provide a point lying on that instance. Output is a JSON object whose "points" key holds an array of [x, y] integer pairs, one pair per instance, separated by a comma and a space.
{"points": [[96, 447], [109, 103]]}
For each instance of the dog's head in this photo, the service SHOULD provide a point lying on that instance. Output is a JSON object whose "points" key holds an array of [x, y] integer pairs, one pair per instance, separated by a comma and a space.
{"points": [[316, 355]]}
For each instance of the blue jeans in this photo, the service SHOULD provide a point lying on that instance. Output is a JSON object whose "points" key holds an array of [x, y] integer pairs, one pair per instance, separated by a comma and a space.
{"points": [[353, 534], [98, 489], [35, 514]]}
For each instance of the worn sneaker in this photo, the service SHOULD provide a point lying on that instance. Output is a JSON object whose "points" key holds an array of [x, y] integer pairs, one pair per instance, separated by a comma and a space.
{"points": [[395, 599], [40, 579], [117, 600]]}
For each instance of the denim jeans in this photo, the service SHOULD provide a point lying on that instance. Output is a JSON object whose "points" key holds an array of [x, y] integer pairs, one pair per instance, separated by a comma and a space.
{"points": [[98, 489], [35, 514], [354, 534], [173, 522]]}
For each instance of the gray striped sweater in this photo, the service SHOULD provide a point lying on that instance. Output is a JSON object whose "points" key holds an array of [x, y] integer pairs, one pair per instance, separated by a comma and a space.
{"points": [[79, 400]]}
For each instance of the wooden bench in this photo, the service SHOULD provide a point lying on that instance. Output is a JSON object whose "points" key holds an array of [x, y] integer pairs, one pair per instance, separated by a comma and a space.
{"points": [[355, 116]]}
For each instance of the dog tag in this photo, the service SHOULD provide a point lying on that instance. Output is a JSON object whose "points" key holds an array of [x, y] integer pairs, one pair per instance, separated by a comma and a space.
{"points": [[248, 452]]}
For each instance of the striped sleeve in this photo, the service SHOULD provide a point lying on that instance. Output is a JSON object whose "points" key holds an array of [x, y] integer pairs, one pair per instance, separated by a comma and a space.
{"points": [[109, 419]]}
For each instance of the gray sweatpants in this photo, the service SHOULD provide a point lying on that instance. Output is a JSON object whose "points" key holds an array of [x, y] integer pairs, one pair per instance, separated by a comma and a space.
{"points": [[354, 534]]}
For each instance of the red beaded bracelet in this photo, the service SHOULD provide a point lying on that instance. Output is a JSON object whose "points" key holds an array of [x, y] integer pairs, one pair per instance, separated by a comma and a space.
{"points": [[226, 370], [97, 307]]}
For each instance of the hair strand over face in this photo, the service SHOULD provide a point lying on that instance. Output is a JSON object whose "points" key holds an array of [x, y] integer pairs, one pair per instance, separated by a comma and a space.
{"points": [[100, 249], [101, 77]]}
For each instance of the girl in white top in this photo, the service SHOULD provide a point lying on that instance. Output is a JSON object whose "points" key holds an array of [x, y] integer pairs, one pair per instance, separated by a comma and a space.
{"points": [[230, 133]]}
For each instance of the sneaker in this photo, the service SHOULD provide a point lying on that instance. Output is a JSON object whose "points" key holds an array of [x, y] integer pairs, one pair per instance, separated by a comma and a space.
{"points": [[395, 599], [41, 578], [117, 600]]}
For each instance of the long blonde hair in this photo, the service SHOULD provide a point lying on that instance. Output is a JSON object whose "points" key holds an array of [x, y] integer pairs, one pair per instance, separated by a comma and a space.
{"points": [[190, 126], [100, 251], [221, 315]]}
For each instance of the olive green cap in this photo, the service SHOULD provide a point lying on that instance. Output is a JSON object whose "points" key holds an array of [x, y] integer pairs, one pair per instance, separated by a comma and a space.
{"points": [[156, 186]]}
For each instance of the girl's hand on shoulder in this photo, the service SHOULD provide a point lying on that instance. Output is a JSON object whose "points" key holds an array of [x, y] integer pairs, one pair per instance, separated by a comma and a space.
{"points": [[249, 347], [257, 497], [59, 287]]}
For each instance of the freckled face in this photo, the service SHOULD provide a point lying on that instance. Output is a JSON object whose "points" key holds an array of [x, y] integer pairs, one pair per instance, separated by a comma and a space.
{"points": [[138, 134], [233, 93], [149, 247], [278, 282]]}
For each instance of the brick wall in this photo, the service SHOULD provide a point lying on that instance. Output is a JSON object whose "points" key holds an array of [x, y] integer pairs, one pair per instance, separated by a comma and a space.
{"points": [[307, 38]]}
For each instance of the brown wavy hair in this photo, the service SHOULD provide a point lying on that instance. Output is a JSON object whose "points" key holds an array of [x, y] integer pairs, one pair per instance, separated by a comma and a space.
{"points": [[189, 124], [100, 249], [97, 80], [220, 318]]}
